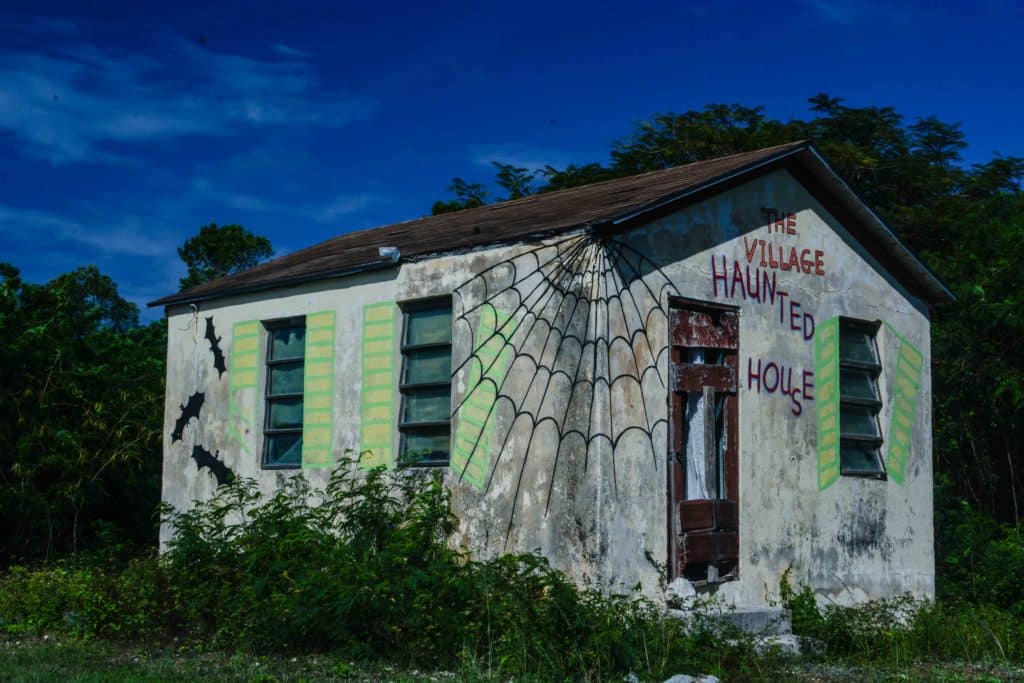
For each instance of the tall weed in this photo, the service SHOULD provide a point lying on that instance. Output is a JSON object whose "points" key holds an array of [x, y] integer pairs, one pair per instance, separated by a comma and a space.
{"points": [[903, 629], [364, 567]]}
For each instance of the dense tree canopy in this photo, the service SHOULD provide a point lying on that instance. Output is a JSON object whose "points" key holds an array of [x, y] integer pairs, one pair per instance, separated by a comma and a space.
{"points": [[217, 251], [83, 404], [83, 392]]}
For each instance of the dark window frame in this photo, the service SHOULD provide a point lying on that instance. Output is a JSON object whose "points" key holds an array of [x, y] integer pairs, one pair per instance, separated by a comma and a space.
{"points": [[435, 427], [872, 371], [270, 326], [703, 533]]}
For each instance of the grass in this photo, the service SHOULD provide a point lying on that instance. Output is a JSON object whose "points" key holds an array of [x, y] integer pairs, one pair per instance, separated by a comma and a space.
{"points": [[38, 660]]}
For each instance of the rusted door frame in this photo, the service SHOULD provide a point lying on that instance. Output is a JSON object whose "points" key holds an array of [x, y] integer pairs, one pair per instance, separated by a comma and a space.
{"points": [[719, 540]]}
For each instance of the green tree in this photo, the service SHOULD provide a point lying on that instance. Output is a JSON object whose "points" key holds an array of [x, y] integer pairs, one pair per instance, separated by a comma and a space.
{"points": [[671, 139], [515, 180], [574, 176], [222, 250], [83, 397], [467, 196]]}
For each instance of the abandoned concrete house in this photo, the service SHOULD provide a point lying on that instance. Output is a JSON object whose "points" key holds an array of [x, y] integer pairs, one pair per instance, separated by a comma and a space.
{"points": [[717, 371]]}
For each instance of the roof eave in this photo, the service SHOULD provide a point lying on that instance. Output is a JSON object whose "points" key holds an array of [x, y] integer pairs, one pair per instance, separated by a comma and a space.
{"points": [[806, 154], [186, 298], [709, 185], [801, 158], [891, 242]]}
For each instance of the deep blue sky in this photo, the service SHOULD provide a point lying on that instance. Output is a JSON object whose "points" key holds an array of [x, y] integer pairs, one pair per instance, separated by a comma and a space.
{"points": [[122, 130]]}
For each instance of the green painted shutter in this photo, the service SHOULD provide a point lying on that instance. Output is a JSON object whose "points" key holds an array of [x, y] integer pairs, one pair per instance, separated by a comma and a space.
{"points": [[243, 375], [471, 456], [826, 380], [318, 392], [377, 410], [904, 409]]}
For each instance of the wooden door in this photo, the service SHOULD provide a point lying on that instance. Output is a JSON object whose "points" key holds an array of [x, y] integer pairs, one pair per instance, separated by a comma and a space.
{"points": [[703, 486]]}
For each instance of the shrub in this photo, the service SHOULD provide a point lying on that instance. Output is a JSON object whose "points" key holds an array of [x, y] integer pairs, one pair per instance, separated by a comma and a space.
{"points": [[905, 629], [82, 600], [980, 561], [364, 568]]}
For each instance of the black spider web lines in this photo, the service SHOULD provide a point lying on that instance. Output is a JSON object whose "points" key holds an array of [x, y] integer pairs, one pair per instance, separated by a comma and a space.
{"points": [[573, 320]]}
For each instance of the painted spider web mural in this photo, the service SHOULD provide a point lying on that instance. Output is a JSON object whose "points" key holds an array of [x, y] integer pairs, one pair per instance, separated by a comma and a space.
{"points": [[567, 359]]}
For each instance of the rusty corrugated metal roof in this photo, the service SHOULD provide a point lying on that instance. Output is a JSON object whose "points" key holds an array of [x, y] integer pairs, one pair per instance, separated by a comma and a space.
{"points": [[607, 201]]}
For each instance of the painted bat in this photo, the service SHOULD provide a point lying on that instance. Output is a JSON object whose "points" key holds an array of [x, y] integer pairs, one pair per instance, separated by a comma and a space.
{"points": [[210, 461], [218, 355], [188, 411]]}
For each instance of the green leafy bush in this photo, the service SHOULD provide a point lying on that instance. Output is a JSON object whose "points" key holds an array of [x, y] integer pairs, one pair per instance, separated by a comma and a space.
{"points": [[904, 629], [83, 600], [979, 560], [364, 568]]}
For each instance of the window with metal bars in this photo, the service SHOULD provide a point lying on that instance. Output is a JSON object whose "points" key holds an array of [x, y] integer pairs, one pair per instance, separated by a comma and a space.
{"points": [[282, 426], [860, 438], [425, 383]]}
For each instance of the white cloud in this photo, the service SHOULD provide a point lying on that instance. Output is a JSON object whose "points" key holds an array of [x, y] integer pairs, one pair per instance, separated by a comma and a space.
{"points": [[138, 252], [342, 205], [69, 105], [235, 200], [289, 51], [324, 212], [130, 236]]}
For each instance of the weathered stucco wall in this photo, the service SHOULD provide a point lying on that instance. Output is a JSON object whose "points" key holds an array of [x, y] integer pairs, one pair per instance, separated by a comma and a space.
{"points": [[229, 424], [857, 538], [560, 401]]}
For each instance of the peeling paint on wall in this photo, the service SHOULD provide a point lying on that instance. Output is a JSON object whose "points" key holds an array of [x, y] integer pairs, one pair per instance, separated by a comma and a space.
{"points": [[191, 409], [826, 370], [584, 355], [906, 381], [863, 529], [318, 392], [471, 457], [377, 398], [243, 377]]}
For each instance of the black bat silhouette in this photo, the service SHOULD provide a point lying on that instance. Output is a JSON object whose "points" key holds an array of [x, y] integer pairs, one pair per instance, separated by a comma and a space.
{"points": [[208, 460], [218, 355], [188, 411]]}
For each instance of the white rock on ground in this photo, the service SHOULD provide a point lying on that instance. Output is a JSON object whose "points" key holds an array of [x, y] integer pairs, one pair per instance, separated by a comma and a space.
{"points": [[680, 592]]}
